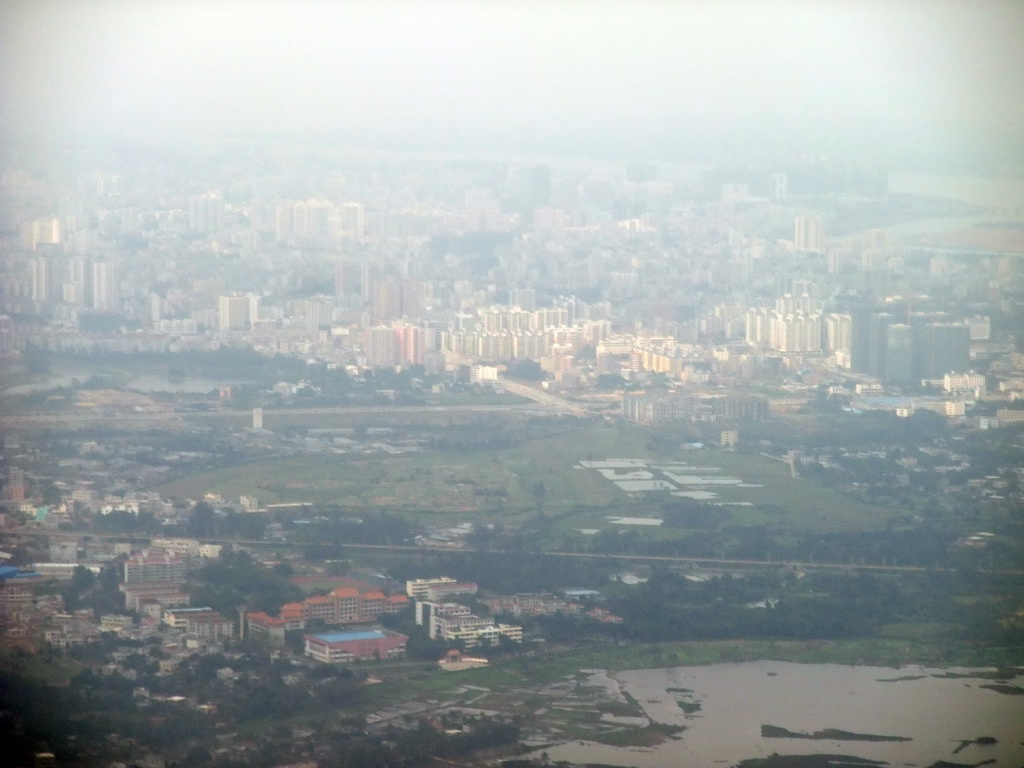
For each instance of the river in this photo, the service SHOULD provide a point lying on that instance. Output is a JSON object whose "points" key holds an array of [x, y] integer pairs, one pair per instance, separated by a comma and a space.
{"points": [[146, 383], [935, 709], [1004, 194]]}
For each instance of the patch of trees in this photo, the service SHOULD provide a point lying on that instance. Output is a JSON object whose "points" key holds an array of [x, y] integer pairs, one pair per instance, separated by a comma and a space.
{"points": [[87, 590], [669, 607], [236, 579]]}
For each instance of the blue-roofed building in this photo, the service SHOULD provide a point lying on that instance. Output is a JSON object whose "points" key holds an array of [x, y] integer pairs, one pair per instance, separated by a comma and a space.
{"points": [[7, 571], [357, 645]]}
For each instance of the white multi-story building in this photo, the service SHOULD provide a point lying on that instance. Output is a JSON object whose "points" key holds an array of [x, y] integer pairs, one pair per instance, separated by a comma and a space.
{"points": [[155, 567], [960, 382], [483, 374], [417, 588], [454, 622], [236, 313], [206, 213]]}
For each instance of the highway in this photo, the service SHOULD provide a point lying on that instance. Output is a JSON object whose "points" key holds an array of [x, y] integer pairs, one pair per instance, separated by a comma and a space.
{"points": [[542, 397], [697, 562], [30, 418]]}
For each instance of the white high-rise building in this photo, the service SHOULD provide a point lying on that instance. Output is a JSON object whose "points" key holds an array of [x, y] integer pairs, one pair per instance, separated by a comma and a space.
{"points": [[206, 213], [350, 220], [309, 220], [837, 332], [236, 313], [381, 347], [780, 185], [809, 234], [794, 333], [103, 296], [39, 277], [41, 232]]}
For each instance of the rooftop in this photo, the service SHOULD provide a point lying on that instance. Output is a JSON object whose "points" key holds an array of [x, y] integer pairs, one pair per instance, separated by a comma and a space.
{"points": [[345, 637]]}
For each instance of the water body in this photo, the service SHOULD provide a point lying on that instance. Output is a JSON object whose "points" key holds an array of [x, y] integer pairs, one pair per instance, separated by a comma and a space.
{"points": [[188, 386], [935, 713], [146, 384], [1001, 193]]}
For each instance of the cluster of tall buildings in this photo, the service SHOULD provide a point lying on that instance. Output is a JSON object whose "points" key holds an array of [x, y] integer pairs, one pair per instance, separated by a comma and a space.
{"points": [[84, 283], [317, 220], [456, 265], [904, 348]]}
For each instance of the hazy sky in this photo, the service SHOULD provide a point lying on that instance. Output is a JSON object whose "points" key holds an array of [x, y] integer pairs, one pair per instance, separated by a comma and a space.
{"points": [[555, 75]]}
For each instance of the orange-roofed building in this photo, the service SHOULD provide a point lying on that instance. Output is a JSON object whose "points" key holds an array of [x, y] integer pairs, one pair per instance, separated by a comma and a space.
{"points": [[320, 607], [343, 605], [348, 605], [261, 624], [293, 615], [372, 605], [396, 604]]}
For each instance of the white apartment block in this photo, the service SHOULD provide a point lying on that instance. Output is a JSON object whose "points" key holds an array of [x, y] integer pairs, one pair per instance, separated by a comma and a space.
{"points": [[417, 589], [959, 382]]}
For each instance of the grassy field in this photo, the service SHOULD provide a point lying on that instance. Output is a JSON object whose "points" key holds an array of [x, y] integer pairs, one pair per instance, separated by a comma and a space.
{"points": [[541, 472]]}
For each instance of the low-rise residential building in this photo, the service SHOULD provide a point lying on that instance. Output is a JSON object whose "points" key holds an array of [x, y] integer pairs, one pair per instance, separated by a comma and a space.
{"points": [[178, 618], [485, 635], [163, 594], [532, 604], [113, 622], [1006, 416]]}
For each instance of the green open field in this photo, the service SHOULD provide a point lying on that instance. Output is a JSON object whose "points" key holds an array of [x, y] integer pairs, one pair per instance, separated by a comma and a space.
{"points": [[541, 472]]}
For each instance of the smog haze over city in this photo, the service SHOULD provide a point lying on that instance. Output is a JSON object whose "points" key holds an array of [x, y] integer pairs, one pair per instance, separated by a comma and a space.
{"points": [[635, 79], [511, 384]]}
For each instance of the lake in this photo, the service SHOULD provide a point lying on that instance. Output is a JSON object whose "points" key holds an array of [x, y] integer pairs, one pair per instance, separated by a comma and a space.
{"points": [[934, 708]]}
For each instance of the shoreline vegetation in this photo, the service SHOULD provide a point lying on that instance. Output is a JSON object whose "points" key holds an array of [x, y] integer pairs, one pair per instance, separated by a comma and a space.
{"points": [[415, 682], [831, 734], [996, 663]]}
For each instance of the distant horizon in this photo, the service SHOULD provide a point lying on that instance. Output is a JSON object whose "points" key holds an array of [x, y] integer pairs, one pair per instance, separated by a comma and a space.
{"points": [[655, 81]]}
